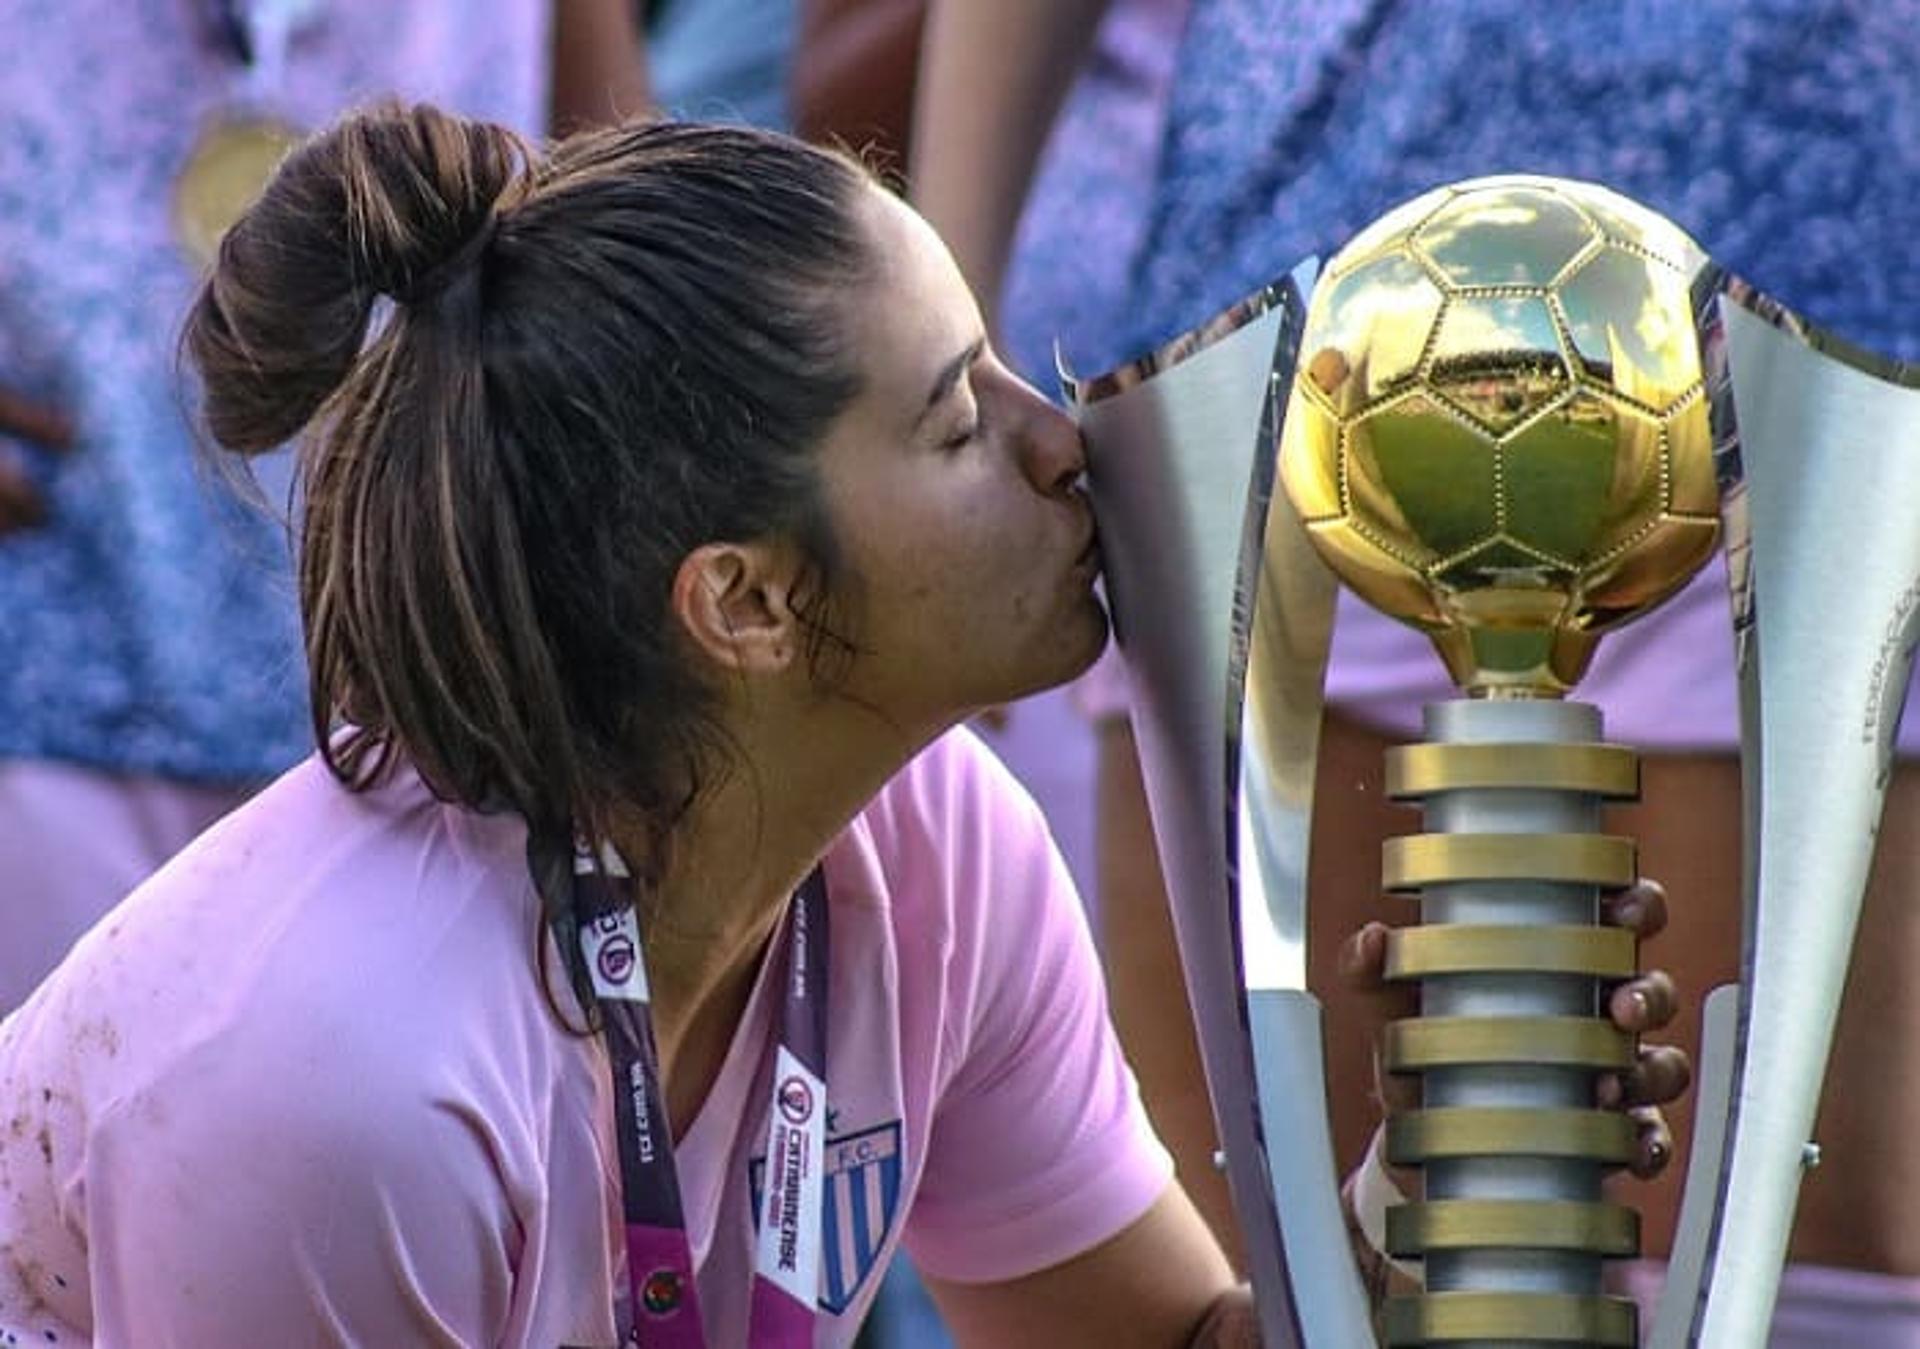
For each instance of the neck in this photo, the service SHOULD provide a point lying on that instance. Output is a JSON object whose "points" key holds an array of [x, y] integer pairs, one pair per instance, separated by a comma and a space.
{"points": [[737, 858]]}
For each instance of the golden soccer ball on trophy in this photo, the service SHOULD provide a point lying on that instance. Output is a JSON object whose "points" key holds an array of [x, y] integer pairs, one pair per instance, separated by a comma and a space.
{"points": [[1498, 430]]}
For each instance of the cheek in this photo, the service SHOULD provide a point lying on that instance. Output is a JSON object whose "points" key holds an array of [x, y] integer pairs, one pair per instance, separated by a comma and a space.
{"points": [[961, 581], [943, 550], [993, 557]]}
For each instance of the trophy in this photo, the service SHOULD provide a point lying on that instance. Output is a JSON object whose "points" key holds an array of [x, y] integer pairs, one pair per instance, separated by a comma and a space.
{"points": [[1516, 413]]}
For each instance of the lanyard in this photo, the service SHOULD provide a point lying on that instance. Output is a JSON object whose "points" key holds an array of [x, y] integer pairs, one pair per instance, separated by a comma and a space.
{"points": [[663, 1310]]}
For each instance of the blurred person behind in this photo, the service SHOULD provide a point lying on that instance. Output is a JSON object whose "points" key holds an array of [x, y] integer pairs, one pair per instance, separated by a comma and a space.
{"points": [[150, 668]]}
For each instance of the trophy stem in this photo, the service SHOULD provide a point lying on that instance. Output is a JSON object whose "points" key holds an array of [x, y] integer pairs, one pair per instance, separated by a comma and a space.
{"points": [[1510, 959]]}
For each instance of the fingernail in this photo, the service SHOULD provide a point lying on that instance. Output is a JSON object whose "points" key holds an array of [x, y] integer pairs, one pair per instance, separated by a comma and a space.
{"points": [[1639, 1004]]}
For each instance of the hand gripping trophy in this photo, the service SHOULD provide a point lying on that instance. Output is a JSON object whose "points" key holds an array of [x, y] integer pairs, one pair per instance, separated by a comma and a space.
{"points": [[1517, 413]]}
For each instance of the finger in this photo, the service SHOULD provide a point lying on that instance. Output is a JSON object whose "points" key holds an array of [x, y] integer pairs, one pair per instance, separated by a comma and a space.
{"points": [[1654, 1143], [1646, 1003], [1363, 957], [20, 505], [1396, 1093], [30, 421], [1660, 1074], [1641, 908]]}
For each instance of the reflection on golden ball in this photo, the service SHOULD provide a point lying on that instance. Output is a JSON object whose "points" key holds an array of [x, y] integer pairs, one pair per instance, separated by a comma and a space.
{"points": [[1498, 429]]}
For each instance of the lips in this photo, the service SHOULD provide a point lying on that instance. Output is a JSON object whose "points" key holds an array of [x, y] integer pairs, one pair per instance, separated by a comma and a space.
{"points": [[1089, 559]]}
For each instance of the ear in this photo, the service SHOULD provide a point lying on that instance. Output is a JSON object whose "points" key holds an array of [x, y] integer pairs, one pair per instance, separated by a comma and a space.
{"points": [[734, 601]]}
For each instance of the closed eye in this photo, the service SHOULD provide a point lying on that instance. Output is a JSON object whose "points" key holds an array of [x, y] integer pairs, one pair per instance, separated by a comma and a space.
{"points": [[950, 380], [960, 439]]}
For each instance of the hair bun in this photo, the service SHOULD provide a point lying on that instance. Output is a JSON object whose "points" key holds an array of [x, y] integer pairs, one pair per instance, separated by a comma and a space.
{"points": [[392, 200], [419, 287], [421, 191]]}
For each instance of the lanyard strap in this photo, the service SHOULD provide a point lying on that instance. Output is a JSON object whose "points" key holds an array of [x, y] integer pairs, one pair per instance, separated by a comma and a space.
{"points": [[663, 1310]]}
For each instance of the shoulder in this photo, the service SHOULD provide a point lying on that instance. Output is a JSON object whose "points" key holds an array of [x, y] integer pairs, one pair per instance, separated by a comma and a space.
{"points": [[330, 999], [952, 829], [1031, 1139], [953, 795], [344, 952], [974, 891]]}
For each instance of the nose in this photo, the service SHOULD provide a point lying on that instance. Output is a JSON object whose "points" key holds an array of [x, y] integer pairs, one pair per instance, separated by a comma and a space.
{"points": [[1052, 455]]}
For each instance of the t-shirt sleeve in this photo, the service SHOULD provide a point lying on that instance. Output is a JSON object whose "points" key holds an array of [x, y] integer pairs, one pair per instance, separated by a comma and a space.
{"points": [[1039, 1149], [224, 1202]]}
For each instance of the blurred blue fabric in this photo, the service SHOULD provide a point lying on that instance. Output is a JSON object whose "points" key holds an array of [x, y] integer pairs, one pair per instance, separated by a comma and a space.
{"points": [[724, 60], [1784, 135]]}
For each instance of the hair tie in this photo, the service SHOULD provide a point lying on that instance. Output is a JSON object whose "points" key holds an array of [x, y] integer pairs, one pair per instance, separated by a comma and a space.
{"points": [[435, 279]]}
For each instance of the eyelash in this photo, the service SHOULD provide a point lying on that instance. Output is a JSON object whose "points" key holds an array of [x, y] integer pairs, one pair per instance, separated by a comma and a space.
{"points": [[971, 431]]}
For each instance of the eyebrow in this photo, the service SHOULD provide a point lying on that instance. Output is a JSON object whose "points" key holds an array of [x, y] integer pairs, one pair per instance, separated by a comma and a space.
{"points": [[950, 376]]}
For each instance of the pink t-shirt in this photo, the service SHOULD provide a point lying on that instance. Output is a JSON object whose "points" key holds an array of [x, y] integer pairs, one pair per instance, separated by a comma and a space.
{"points": [[305, 1085]]}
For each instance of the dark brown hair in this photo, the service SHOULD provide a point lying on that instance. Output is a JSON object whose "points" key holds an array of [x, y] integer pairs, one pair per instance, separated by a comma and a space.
{"points": [[591, 363]]}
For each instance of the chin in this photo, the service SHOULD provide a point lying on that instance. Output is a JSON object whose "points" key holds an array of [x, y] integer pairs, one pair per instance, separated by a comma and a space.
{"points": [[1081, 637], [1064, 651], [1100, 631]]}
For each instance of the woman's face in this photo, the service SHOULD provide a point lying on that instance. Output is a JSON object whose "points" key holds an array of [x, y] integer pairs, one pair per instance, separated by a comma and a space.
{"points": [[954, 490]]}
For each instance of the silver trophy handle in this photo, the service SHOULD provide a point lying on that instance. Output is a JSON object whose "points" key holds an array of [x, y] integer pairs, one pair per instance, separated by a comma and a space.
{"points": [[1821, 488], [1207, 584]]}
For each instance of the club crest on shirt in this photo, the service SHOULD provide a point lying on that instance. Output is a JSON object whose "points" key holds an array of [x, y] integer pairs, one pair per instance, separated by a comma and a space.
{"points": [[861, 1195]]}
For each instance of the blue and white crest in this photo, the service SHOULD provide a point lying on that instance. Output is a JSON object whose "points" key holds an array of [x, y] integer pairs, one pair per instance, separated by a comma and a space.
{"points": [[862, 1196]]}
